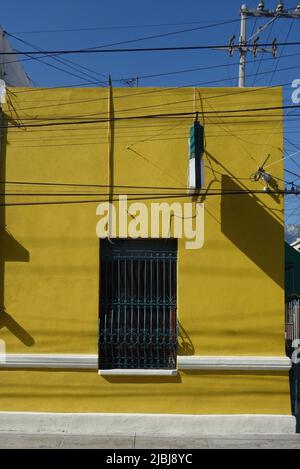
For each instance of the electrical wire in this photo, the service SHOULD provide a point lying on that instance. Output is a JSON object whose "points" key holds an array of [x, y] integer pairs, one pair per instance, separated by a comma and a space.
{"points": [[251, 132], [176, 72], [292, 214], [139, 26], [42, 61], [295, 147], [135, 194], [282, 159], [159, 36], [293, 174], [145, 38], [180, 191], [236, 111], [163, 90], [229, 78], [72, 186], [67, 62], [237, 92], [143, 49], [282, 50], [154, 197], [154, 116], [262, 55]]}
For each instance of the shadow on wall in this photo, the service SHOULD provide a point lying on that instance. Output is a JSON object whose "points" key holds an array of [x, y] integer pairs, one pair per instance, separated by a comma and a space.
{"points": [[16, 329], [247, 224], [136, 380], [13, 250], [185, 346], [10, 249]]}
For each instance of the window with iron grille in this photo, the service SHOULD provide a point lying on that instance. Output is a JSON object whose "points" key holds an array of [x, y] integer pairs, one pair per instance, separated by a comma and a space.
{"points": [[138, 304]]}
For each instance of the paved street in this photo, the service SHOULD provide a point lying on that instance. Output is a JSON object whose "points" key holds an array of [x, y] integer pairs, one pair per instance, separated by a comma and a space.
{"points": [[52, 441]]}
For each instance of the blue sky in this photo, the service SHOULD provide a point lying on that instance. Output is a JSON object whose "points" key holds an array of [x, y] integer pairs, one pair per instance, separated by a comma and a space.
{"points": [[118, 21]]}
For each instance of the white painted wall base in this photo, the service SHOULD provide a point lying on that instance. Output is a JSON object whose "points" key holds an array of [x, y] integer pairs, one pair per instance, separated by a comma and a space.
{"points": [[90, 362], [146, 424]]}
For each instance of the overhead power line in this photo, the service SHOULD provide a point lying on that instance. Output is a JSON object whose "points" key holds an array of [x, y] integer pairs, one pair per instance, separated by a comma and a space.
{"points": [[145, 76], [210, 67], [293, 174], [136, 194], [159, 36], [142, 198], [85, 186], [221, 113], [136, 26], [103, 117], [235, 92], [53, 56], [177, 72], [142, 49], [282, 51], [144, 38], [262, 54], [166, 89], [68, 63], [55, 67]]}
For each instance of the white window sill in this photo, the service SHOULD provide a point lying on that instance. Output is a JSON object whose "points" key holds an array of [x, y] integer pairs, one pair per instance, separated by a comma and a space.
{"points": [[129, 372]]}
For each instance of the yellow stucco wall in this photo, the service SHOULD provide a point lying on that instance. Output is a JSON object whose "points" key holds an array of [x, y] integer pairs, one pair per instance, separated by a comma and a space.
{"points": [[230, 292], [190, 393]]}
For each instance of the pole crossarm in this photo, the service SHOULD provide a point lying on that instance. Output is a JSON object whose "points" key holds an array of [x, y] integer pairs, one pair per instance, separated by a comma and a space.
{"points": [[272, 14]]}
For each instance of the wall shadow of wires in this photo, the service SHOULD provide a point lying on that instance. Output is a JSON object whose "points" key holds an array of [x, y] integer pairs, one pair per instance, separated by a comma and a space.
{"points": [[10, 251]]}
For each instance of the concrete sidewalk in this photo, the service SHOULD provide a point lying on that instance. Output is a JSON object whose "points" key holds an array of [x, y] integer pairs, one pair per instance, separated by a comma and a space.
{"points": [[14, 440]]}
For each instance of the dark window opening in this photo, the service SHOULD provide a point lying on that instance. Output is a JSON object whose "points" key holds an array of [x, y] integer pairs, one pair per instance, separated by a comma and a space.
{"points": [[138, 304]]}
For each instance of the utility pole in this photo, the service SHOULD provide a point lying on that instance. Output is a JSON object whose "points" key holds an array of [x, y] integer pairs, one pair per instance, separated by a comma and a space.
{"points": [[251, 44], [242, 48]]}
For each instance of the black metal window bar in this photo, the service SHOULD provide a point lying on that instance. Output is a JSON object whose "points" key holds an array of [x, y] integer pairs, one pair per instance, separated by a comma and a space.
{"points": [[138, 304], [292, 328]]}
